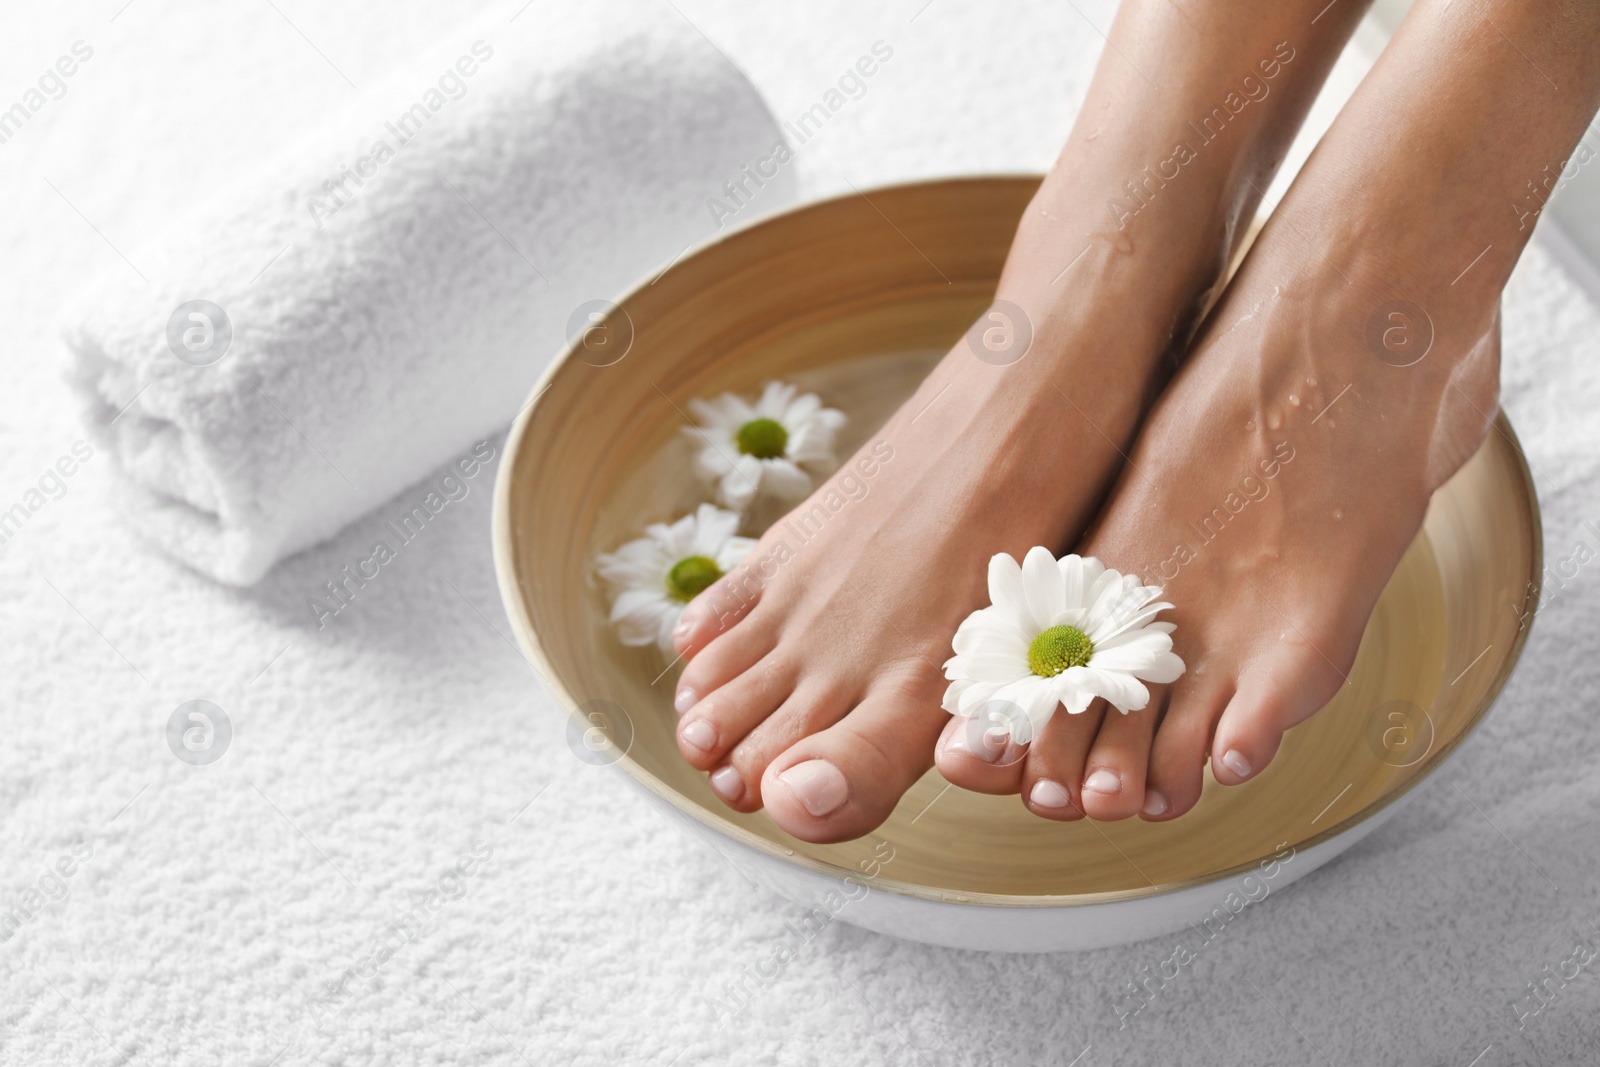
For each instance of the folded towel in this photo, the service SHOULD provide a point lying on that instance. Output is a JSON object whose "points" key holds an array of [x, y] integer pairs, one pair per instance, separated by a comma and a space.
{"points": [[389, 290]]}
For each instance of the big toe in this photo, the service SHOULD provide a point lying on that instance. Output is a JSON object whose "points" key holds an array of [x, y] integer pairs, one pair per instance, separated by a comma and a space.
{"points": [[846, 780]]}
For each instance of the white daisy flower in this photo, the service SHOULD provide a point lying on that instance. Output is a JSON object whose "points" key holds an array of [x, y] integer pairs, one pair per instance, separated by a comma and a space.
{"points": [[653, 578], [776, 448], [1057, 633]]}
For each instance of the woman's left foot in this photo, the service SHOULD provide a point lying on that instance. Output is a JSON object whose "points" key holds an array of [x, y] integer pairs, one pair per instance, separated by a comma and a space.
{"points": [[1272, 493]]}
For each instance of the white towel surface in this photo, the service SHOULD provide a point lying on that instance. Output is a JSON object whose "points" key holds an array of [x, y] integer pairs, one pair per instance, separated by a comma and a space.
{"points": [[385, 292], [220, 903]]}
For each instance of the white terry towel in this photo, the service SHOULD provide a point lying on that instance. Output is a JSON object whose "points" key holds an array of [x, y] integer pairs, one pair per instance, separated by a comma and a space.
{"points": [[395, 285]]}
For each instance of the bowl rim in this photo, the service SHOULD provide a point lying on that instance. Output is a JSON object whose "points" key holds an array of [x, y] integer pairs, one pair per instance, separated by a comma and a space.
{"points": [[512, 600]]}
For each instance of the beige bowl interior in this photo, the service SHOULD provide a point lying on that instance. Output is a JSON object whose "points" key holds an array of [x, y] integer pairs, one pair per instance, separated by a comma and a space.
{"points": [[855, 298]]}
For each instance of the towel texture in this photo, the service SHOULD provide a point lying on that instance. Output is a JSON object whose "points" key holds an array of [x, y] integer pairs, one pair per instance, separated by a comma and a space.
{"points": [[221, 905], [389, 290]]}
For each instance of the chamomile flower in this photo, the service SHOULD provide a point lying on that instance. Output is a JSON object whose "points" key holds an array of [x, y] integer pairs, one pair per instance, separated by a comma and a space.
{"points": [[1058, 633], [776, 447], [653, 578]]}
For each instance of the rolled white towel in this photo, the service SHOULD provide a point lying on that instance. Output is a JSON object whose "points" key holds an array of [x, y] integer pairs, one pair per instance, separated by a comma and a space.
{"points": [[394, 285]]}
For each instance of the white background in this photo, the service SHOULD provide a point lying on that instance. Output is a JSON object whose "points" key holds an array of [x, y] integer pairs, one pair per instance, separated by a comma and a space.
{"points": [[370, 755]]}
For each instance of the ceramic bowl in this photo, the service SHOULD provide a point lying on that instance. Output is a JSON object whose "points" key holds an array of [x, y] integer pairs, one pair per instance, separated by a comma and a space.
{"points": [[855, 298]]}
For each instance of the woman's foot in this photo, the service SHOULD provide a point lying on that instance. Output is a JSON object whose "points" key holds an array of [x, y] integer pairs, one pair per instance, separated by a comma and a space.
{"points": [[815, 679], [1341, 380], [814, 684]]}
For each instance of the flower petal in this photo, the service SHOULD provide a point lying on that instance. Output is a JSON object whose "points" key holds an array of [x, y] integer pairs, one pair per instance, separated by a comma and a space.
{"points": [[1121, 691], [734, 552], [784, 480], [993, 664], [986, 630], [637, 615], [1042, 588], [1131, 652], [1168, 668], [1005, 589]]}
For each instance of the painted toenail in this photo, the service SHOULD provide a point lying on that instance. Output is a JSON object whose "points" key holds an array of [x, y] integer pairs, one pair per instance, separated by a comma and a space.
{"points": [[1154, 803], [1234, 760], [819, 785], [727, 784], [1104, 781], [989, 745], [684, 700], [1048, 794], [700, 734]]}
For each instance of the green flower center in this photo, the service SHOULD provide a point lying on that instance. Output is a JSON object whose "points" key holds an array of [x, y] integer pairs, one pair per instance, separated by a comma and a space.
{"points": [[1057, 649], [763, 438], [689, 577]]}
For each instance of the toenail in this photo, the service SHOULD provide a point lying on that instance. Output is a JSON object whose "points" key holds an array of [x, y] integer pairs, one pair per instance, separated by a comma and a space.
{"points": [[819, 785], [991, 744], [682, 629], [1234, 760], [727, 784], [1048, 794], [684, 700], [1104, 781], [1154, 803], [700, 734]]}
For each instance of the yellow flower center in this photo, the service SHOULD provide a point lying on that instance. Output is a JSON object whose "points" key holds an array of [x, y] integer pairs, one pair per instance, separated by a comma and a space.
{"points": [[1057, 649], [763, 438], [689, 577]]}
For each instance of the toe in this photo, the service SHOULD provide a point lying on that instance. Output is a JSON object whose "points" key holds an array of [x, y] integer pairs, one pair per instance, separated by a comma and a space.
{"points": [[1248, 733], [720, 605], [1052, 779], [720, 662], [809, 708], [1114, 772], [971, 756], [1285, 688], [843, 782], [715, 724], [1178, 756]]}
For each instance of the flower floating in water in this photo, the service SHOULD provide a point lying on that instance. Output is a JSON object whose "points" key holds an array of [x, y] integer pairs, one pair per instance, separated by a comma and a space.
{"points": [[1058, 632], [777, 447], [654, 577]]}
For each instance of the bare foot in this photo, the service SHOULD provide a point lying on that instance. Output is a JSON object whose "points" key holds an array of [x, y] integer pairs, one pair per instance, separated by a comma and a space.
{"points": [[814, 685], [815, 680], [1271, 494]]}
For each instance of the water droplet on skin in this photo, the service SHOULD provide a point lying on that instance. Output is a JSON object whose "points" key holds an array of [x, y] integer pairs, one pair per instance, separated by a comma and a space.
{"points": [[1121, 241], [1273, 421], [1338, 514], [1095, 136], [1250, 425], [1294, 401], [1311, 381]]}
